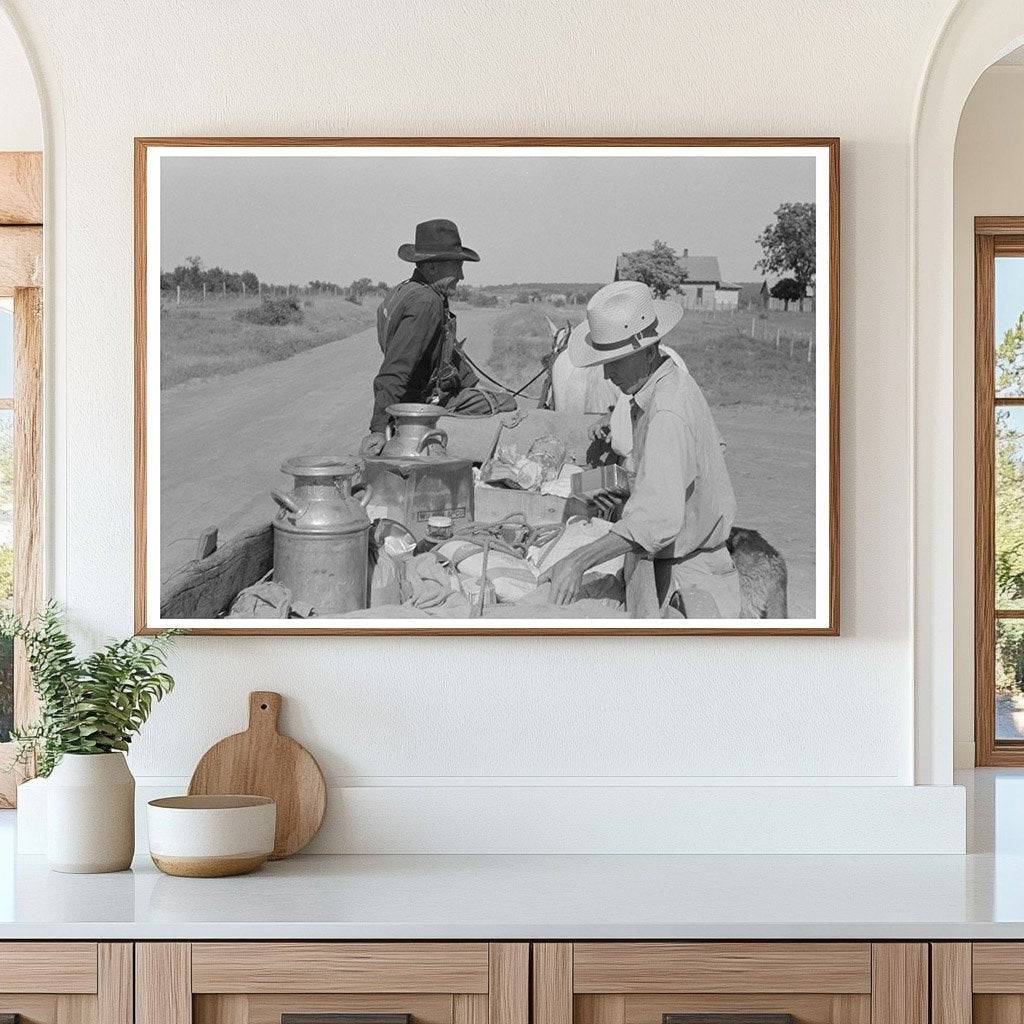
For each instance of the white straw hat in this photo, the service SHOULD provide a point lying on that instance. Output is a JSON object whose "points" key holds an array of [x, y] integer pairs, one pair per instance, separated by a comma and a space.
{"points": [[622, 318]]}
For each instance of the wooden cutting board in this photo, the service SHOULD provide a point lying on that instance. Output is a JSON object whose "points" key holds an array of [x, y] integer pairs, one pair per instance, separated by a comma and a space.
{"points": [[262, 762]]}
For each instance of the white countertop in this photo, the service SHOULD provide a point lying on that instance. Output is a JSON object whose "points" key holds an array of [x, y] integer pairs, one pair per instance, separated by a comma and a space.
{"points": [[978, 896], [532, 897]]}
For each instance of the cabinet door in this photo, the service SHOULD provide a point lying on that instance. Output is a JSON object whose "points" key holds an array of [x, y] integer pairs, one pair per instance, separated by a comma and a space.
{"points": [[981, 982], [332, 983], [66, 982], [737, 982]]}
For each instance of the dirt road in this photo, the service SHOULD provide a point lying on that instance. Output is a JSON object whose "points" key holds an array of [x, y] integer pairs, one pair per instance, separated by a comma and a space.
{"points": [[224, 438]]}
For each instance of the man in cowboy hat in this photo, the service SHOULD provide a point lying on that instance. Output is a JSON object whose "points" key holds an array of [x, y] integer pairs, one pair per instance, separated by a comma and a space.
{"points": [[681, 506], [416, 333]]}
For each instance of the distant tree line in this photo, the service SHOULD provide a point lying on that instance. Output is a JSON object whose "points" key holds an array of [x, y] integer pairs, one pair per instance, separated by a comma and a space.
{"points": [[192, 275]]}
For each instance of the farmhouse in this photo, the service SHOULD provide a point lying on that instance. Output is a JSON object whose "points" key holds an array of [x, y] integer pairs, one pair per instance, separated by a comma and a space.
{"points": [[703, 287], [754, 294]]}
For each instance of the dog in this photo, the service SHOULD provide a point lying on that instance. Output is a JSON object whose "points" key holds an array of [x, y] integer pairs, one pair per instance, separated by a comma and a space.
{"points": [[762, 572]]}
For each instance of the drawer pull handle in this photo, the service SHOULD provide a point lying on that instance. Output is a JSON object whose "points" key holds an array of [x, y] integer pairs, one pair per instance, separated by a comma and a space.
{"points": [[342, 1018], [728, 1018]]}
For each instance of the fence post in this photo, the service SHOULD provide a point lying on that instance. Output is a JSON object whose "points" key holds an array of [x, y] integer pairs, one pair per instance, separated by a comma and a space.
{"points": [[259, 289], [778, 338], [179, 294], [224, 286], [753, 323], [810, 346], [204, 291], [243, 289]]}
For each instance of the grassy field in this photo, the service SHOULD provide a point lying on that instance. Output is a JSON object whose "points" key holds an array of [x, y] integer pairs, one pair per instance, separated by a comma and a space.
{"points": [[200, 340], [522, 339], [732, 366]]}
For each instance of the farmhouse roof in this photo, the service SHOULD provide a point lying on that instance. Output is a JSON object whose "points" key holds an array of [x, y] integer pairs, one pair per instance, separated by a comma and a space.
{"points": [[699, 269], [752, 291]]}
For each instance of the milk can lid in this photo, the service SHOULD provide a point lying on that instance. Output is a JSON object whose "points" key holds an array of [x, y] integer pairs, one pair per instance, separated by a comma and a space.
{"points": [[321, 465], [439, 522]]}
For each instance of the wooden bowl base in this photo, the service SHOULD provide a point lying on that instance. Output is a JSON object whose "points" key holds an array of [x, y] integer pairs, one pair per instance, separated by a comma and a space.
{"points": [[209, 867]]}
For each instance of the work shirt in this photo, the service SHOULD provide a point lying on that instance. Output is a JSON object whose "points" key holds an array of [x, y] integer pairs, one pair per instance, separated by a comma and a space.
{"points": [[416, 333], [682, 500]]}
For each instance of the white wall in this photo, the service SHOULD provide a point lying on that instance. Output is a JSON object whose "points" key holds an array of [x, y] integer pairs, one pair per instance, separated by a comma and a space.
{"points": [[444, 713], [988, 181]]}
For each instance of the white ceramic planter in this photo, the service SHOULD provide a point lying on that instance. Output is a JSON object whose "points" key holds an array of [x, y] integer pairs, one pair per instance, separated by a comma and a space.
{"points": [[90, 814]]}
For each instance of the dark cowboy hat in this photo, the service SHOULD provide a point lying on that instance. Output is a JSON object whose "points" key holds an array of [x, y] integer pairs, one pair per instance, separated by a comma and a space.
{"points": [[436, 240]]}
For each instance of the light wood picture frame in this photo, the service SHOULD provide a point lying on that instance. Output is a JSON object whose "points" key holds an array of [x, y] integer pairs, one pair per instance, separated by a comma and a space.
{"points": [[199, 207]]}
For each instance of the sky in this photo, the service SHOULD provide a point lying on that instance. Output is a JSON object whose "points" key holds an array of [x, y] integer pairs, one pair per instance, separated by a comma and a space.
{"points": [[6, 349], [542, 218], [1009, 293]]}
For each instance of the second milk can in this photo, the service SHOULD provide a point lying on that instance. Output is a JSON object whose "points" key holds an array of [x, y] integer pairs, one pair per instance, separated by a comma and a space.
{"points": [[322, 536]]}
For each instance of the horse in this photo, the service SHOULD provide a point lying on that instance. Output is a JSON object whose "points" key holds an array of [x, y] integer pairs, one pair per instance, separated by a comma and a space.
{"points": [[761, 568]]}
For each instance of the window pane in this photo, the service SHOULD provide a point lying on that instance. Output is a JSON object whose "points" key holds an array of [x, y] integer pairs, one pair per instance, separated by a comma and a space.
{"points": [[1009, 324], [1009, 512], [6, 567], [1009, 679], [6, 349]]}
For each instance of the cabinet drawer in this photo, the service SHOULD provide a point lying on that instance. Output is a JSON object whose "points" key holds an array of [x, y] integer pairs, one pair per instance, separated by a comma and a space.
{"points": [[66, 982], [635, 967], [262, 982], [340, 967], [48, 967], [736, 982]]}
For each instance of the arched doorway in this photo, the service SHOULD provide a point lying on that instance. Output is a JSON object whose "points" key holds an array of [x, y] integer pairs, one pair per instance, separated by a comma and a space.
{"points": [[976, 33]]}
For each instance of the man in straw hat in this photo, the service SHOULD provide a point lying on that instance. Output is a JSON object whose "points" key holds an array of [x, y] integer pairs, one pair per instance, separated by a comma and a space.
{"points": [[416, 333], [681, 506]]}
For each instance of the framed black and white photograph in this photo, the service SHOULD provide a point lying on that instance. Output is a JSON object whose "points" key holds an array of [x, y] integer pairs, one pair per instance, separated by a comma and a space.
{"points": [[487, 386]]}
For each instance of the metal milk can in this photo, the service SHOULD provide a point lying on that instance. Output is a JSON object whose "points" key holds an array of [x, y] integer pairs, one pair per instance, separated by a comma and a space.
{"points": [[413, 430], [322, 536]]}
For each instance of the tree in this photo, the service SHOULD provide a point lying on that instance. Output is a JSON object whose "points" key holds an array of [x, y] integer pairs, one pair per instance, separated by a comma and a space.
{"points": [[1009, 472], [787, 290], [658, 268], [358, 288], [789, 244], [1009, 508]]}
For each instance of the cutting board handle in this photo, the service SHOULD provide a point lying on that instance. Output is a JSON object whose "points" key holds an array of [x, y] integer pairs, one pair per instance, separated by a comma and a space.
{"points": [[264, 710]]}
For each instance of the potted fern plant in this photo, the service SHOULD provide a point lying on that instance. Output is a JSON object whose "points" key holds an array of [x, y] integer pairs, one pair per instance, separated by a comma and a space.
{"points": [[89, 710]]}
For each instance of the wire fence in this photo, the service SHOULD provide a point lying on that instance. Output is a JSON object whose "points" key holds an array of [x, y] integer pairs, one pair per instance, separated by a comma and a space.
{"points": [[768, 326]]}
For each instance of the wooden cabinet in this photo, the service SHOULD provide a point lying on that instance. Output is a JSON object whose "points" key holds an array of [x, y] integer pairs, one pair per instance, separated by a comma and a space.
{"points": [[979, 982], [647, 982], [494, 983], [260, 982], [66, 982]]}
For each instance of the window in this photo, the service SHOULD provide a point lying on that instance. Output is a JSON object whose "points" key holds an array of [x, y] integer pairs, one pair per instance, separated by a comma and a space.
{"points": [[21, 366], [999, 490], [6, 510]]}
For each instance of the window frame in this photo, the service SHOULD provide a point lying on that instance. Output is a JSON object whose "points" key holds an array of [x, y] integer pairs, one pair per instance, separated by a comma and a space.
{"points": [[21, 253], [993, 237]]}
